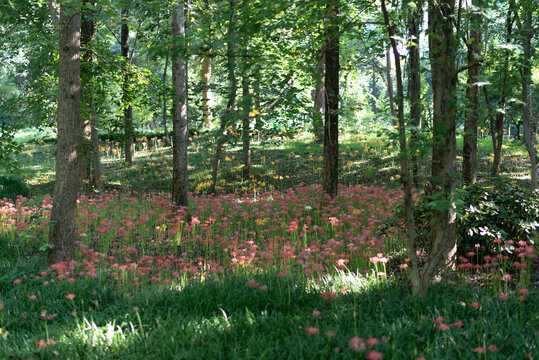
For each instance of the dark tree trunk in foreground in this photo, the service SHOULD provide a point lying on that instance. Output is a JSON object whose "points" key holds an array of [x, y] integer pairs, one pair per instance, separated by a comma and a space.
{"points": [[227, 117], [62, 233], [246, 133], [318, 116], [179, 114], [129, 141], [530, 124], [414, 89], [331, 116], [469, 152], [405, 173], [206, 79], [442, 50]]}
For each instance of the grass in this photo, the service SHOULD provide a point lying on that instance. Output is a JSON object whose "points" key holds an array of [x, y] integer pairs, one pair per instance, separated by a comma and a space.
{"points": [[273, 271]]}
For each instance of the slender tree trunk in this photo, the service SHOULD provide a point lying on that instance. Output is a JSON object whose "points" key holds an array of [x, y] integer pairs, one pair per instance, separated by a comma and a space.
{"points": [[226, 119], [87, 108], [206, 79], [415, 278], [165, 120], [530, 124], [180, 131], [442, 50], [256, 95], [318, 116], [469, 157], [390, 86], [497, 127], [374, 91], [414, 89], [62, 233], [331, 117], [129, 141], [246, 133]]}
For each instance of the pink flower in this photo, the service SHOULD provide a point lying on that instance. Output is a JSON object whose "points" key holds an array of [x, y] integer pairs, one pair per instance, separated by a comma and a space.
{"points": [[523, 291], [70, 296], [32, 297], [356, 343], [492, 348], [17, 281], [503, 296], [372, 341], [311, 330], [373, 355], [330, 333], [443, 326], [438, 320], [475, 305], [316, 313], [458, 323], [479, 350]]}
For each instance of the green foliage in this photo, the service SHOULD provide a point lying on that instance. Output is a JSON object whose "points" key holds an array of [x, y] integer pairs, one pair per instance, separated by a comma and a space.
{"points": [[500, 211], [10, 187]]}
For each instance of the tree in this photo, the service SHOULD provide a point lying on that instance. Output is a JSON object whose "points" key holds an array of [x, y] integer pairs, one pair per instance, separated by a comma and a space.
{"points": [[129, 140], [180, 127], [68, 180], [331, 116], [528, 121], [319, 100], [442, 50], [469, 152]]}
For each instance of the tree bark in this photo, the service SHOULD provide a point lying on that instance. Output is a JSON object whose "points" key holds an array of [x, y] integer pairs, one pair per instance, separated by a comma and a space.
{"points": [[165, 120], [469, 156], [62, 233], [226, 119], [180, 134], [129, 141], [206, 79], [496, 128], [86, 105], [414, 89], [246, 133], [318, 126], [390, 87], [331, 116], [415, 278], [374, 93], [529, 123], [442, 50]]}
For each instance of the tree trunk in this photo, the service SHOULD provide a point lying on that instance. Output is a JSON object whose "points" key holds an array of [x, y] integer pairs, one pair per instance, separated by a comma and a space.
{"points": [[246, 133], [87, 109], [318, 126], [62, 233], [165, 96], [405, 174], [496, 129], [390, 86], [414, 89], [206, 79], [226, 119], [179, 113], [256, 96], [469, 156], [374, 94], [442, 51], [331, 116], [530, 124], [129, 141]]}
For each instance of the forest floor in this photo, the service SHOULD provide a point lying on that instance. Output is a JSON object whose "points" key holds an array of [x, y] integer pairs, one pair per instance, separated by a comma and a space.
{"points": [[267, 269]]}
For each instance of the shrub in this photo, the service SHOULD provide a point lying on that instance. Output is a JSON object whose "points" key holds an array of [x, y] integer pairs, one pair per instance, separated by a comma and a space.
{"points": [[10, 187], [497, 211]]}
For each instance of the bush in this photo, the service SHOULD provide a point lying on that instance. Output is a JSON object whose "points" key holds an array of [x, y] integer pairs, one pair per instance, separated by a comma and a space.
{"points": [[10, 187], [498, 211]]}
